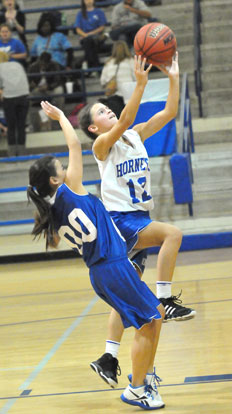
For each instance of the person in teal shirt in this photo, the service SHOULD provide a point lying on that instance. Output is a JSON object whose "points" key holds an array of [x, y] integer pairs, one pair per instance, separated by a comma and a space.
{"points": [[53, 42]]}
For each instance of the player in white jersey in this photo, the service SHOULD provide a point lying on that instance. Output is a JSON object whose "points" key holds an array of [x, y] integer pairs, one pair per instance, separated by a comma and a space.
{"points": [[65, 210], [125, 174]]}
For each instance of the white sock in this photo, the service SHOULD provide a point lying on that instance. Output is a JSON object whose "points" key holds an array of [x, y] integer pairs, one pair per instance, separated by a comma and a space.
{"points": [[112, 347], [163, 289]]}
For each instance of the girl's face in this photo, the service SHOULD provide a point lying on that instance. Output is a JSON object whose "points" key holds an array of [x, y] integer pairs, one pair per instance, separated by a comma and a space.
{"points": [[9, 4], [89, 3], [103, 119]]}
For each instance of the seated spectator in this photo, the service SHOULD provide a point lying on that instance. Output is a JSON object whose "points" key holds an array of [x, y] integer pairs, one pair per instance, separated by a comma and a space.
{"points": [[3, 129], [55, 43], [11, 14], [13, 47], [121, 64], [90, 25], [14, 90], [127, 18], [3, 126], [43, 85]]}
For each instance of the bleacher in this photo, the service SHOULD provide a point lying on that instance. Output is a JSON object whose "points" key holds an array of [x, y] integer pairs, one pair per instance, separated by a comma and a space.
{"points": [[212, 161], [88, 88]]}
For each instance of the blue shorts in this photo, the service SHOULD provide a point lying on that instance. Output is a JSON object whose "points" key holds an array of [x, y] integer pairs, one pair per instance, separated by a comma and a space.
{"points": [[130, 223], [138, 258], [117, 283]]}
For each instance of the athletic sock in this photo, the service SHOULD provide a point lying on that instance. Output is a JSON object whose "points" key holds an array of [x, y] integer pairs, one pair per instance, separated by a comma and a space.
{"points": [[112, 347], [163, 289]]}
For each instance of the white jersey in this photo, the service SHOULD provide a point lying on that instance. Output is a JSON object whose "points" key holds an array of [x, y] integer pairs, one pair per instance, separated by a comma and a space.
{"points": [[125, 176]]}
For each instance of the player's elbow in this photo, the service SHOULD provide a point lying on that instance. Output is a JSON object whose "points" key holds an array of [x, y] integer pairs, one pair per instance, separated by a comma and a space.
{"points": [[172, 112]]}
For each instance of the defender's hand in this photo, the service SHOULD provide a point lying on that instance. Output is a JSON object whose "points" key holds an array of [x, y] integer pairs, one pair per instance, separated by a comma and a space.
{"points": [[52, 111]]}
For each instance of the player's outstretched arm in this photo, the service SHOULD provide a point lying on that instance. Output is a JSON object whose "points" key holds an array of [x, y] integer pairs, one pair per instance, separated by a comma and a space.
{"points": [[160, 119], [106, 140], [74, 172]]}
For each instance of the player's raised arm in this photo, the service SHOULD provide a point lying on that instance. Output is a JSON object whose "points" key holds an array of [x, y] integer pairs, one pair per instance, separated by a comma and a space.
{"points": [[106, 138], [159, 120], [74, 172]]}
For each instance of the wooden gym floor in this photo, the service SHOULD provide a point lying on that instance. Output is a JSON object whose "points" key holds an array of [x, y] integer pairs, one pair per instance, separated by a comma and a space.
{"points": [[53, 325]]}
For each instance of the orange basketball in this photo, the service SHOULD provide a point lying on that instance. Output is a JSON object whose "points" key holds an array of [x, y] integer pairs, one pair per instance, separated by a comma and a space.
{"points": [[156, 42]]}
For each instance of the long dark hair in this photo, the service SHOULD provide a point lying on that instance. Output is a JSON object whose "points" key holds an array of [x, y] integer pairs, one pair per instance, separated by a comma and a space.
{"points": [[83, 9], [39, 188]]}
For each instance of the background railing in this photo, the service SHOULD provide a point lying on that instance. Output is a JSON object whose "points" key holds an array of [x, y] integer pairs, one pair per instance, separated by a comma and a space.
{"points": [[197, 19], [180, 163], [185, 138], [104, 3], [83, 93]]}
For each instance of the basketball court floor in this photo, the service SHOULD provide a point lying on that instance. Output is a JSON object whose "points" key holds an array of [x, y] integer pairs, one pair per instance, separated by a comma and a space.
{"points": [[53, 325]]}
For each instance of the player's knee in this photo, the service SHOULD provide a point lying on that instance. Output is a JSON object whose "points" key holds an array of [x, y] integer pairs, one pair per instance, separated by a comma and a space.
{"points": [[176, 235]]}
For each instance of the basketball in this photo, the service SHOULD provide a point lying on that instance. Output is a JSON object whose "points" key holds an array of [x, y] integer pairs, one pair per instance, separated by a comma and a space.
{"points": [[156, 42]]}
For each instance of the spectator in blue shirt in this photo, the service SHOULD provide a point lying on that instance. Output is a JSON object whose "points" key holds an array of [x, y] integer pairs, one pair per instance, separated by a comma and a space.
{"points": [[11, 14], [53, 42], [90, 25], [13, 47]]}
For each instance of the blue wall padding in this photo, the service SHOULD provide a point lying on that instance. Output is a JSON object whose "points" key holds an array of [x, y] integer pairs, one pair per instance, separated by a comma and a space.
{"points": [[201, 241], [181, 178], [164, 141]]}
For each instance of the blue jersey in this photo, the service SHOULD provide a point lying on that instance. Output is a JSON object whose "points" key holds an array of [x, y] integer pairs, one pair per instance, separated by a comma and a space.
{"points": [[93, 20], [84, 224], [12, 46]]}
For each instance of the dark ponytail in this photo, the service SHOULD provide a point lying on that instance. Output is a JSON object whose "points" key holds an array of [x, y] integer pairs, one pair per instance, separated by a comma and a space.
{"points": [[39, 188], [83, 9]]}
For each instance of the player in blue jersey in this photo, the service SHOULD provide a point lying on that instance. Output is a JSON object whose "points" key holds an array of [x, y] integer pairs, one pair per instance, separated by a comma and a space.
{"points": [[65, 210], [126, 193]]}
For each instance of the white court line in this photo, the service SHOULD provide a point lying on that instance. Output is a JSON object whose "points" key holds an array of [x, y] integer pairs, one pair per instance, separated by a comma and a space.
{"points": [[50, 354]]}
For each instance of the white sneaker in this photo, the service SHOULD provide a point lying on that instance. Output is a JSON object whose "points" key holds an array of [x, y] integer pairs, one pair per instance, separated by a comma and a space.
{"points": [[142, 397], [151, 380]]}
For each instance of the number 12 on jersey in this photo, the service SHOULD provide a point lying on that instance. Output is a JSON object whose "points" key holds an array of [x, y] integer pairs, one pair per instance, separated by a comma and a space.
{"points": [[144, 196]]}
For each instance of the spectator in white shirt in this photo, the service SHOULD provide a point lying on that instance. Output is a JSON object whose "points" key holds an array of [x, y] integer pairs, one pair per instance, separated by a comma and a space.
{"points": [[121, 64]]}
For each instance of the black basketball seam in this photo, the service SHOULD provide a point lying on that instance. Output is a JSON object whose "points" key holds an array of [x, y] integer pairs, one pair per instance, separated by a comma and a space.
{"points": [[145, 37], [161, 51], [138, 45], [155, 54], [159, 38]]}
